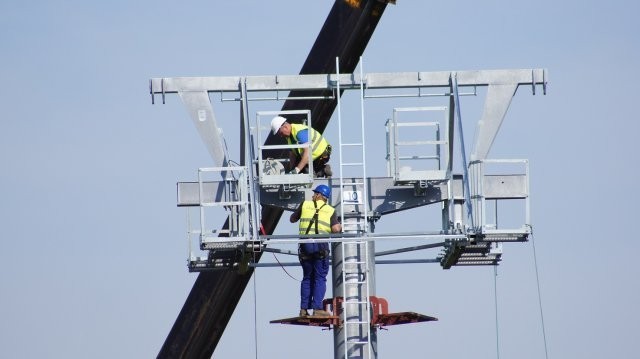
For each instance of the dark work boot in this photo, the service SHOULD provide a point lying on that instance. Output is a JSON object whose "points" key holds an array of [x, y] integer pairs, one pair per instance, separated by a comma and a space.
{"points": [[327, 170]]}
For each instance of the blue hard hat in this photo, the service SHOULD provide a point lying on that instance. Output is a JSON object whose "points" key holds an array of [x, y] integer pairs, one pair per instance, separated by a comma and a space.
{"points": [[323, 190]]}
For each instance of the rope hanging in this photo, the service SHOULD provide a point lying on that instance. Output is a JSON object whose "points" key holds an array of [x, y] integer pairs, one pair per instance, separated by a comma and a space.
{"points": [[535, 262]]}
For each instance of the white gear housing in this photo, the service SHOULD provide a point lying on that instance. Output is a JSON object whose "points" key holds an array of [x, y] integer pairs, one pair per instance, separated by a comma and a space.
{"points": [[273, 167]]}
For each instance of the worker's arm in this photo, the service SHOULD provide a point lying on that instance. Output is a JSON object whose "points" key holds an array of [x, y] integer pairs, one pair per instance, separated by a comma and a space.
{"points": [[303, 160], [301, 138], [336, 226], [295, 216]]}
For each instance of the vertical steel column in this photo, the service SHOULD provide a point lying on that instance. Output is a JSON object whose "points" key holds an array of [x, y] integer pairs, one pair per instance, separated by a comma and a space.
{"points": [[354, 252], [453, 81]]}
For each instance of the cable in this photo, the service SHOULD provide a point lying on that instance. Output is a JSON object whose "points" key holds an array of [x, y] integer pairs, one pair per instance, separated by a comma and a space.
{"points": [[281, 266], [535, 261], [495, 290], [255, 299], [495, 296], [255, 311], [276, 258]]}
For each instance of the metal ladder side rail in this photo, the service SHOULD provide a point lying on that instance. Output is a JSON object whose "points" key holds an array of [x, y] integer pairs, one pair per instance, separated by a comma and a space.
{"points": [[365, 244], [365, 186], [342, 145], [355, 280]]}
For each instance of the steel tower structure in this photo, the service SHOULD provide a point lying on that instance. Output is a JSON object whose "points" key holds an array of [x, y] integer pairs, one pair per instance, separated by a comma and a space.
{"points": [[214, 296], [255, 192], [466, 237]]}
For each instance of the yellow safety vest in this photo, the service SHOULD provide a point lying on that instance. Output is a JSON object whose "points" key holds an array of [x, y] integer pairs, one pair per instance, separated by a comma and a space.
{"points": [[318, 142], [308, 220]]}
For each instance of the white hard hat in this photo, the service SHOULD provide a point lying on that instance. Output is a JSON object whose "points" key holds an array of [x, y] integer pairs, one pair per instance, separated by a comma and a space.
{"points": [[276, 123]]}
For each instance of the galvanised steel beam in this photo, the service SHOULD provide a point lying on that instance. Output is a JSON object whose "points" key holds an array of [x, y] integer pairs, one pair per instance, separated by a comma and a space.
{"points": [[302, 84], [385, 197]]}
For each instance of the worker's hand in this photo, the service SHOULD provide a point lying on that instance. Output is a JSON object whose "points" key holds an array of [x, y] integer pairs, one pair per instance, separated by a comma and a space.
{"points": [[294, 171]]}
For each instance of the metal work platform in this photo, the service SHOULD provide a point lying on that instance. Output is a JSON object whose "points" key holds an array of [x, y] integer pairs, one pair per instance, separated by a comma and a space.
{"points": [[380, 316], [310, 321], [464, 197]]}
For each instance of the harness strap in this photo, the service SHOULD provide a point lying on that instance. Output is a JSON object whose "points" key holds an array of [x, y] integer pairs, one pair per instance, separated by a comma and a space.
{"points": [[315, 217]]}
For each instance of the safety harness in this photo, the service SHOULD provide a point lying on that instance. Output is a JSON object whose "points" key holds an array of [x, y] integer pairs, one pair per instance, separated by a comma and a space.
{"points": [[314, 220], [322, 253]]}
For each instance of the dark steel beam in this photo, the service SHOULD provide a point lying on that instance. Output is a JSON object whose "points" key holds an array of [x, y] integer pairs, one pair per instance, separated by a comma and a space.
{"points": [[214, 296]]}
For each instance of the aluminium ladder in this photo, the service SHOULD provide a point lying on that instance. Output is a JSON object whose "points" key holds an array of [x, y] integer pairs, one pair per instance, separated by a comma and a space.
{"points": [[356, 308]]}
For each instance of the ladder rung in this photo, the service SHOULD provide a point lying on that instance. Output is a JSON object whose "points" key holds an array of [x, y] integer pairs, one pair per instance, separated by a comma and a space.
{"points": [[418, 157], [355, 302], [351, 184], [357, 342], [353, 164], [417, 143], [352, 144], [220, 204], [356, 322]]}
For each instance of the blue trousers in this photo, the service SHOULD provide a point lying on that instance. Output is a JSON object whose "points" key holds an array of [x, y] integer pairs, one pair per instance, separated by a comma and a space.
{"points": [[314, 282]]}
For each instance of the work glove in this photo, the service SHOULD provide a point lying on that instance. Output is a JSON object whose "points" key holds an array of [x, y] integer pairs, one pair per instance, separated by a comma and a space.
{"points": [[294, 171]]}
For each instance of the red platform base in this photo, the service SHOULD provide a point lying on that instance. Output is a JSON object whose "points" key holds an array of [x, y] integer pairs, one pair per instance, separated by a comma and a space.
{"points": [[380, 316]]}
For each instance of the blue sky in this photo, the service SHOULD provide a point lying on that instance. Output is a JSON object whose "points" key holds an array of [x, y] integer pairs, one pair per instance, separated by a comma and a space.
{"points": [[92, 249]]}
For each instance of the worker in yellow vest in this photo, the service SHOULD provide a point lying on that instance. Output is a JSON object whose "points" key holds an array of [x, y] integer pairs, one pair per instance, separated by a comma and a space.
{"points": [[316, 217], [300, 134]]}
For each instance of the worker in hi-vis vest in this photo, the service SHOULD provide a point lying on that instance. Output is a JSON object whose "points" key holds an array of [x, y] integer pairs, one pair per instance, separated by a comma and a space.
{"points": [[300, 134], [316, 217]]}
